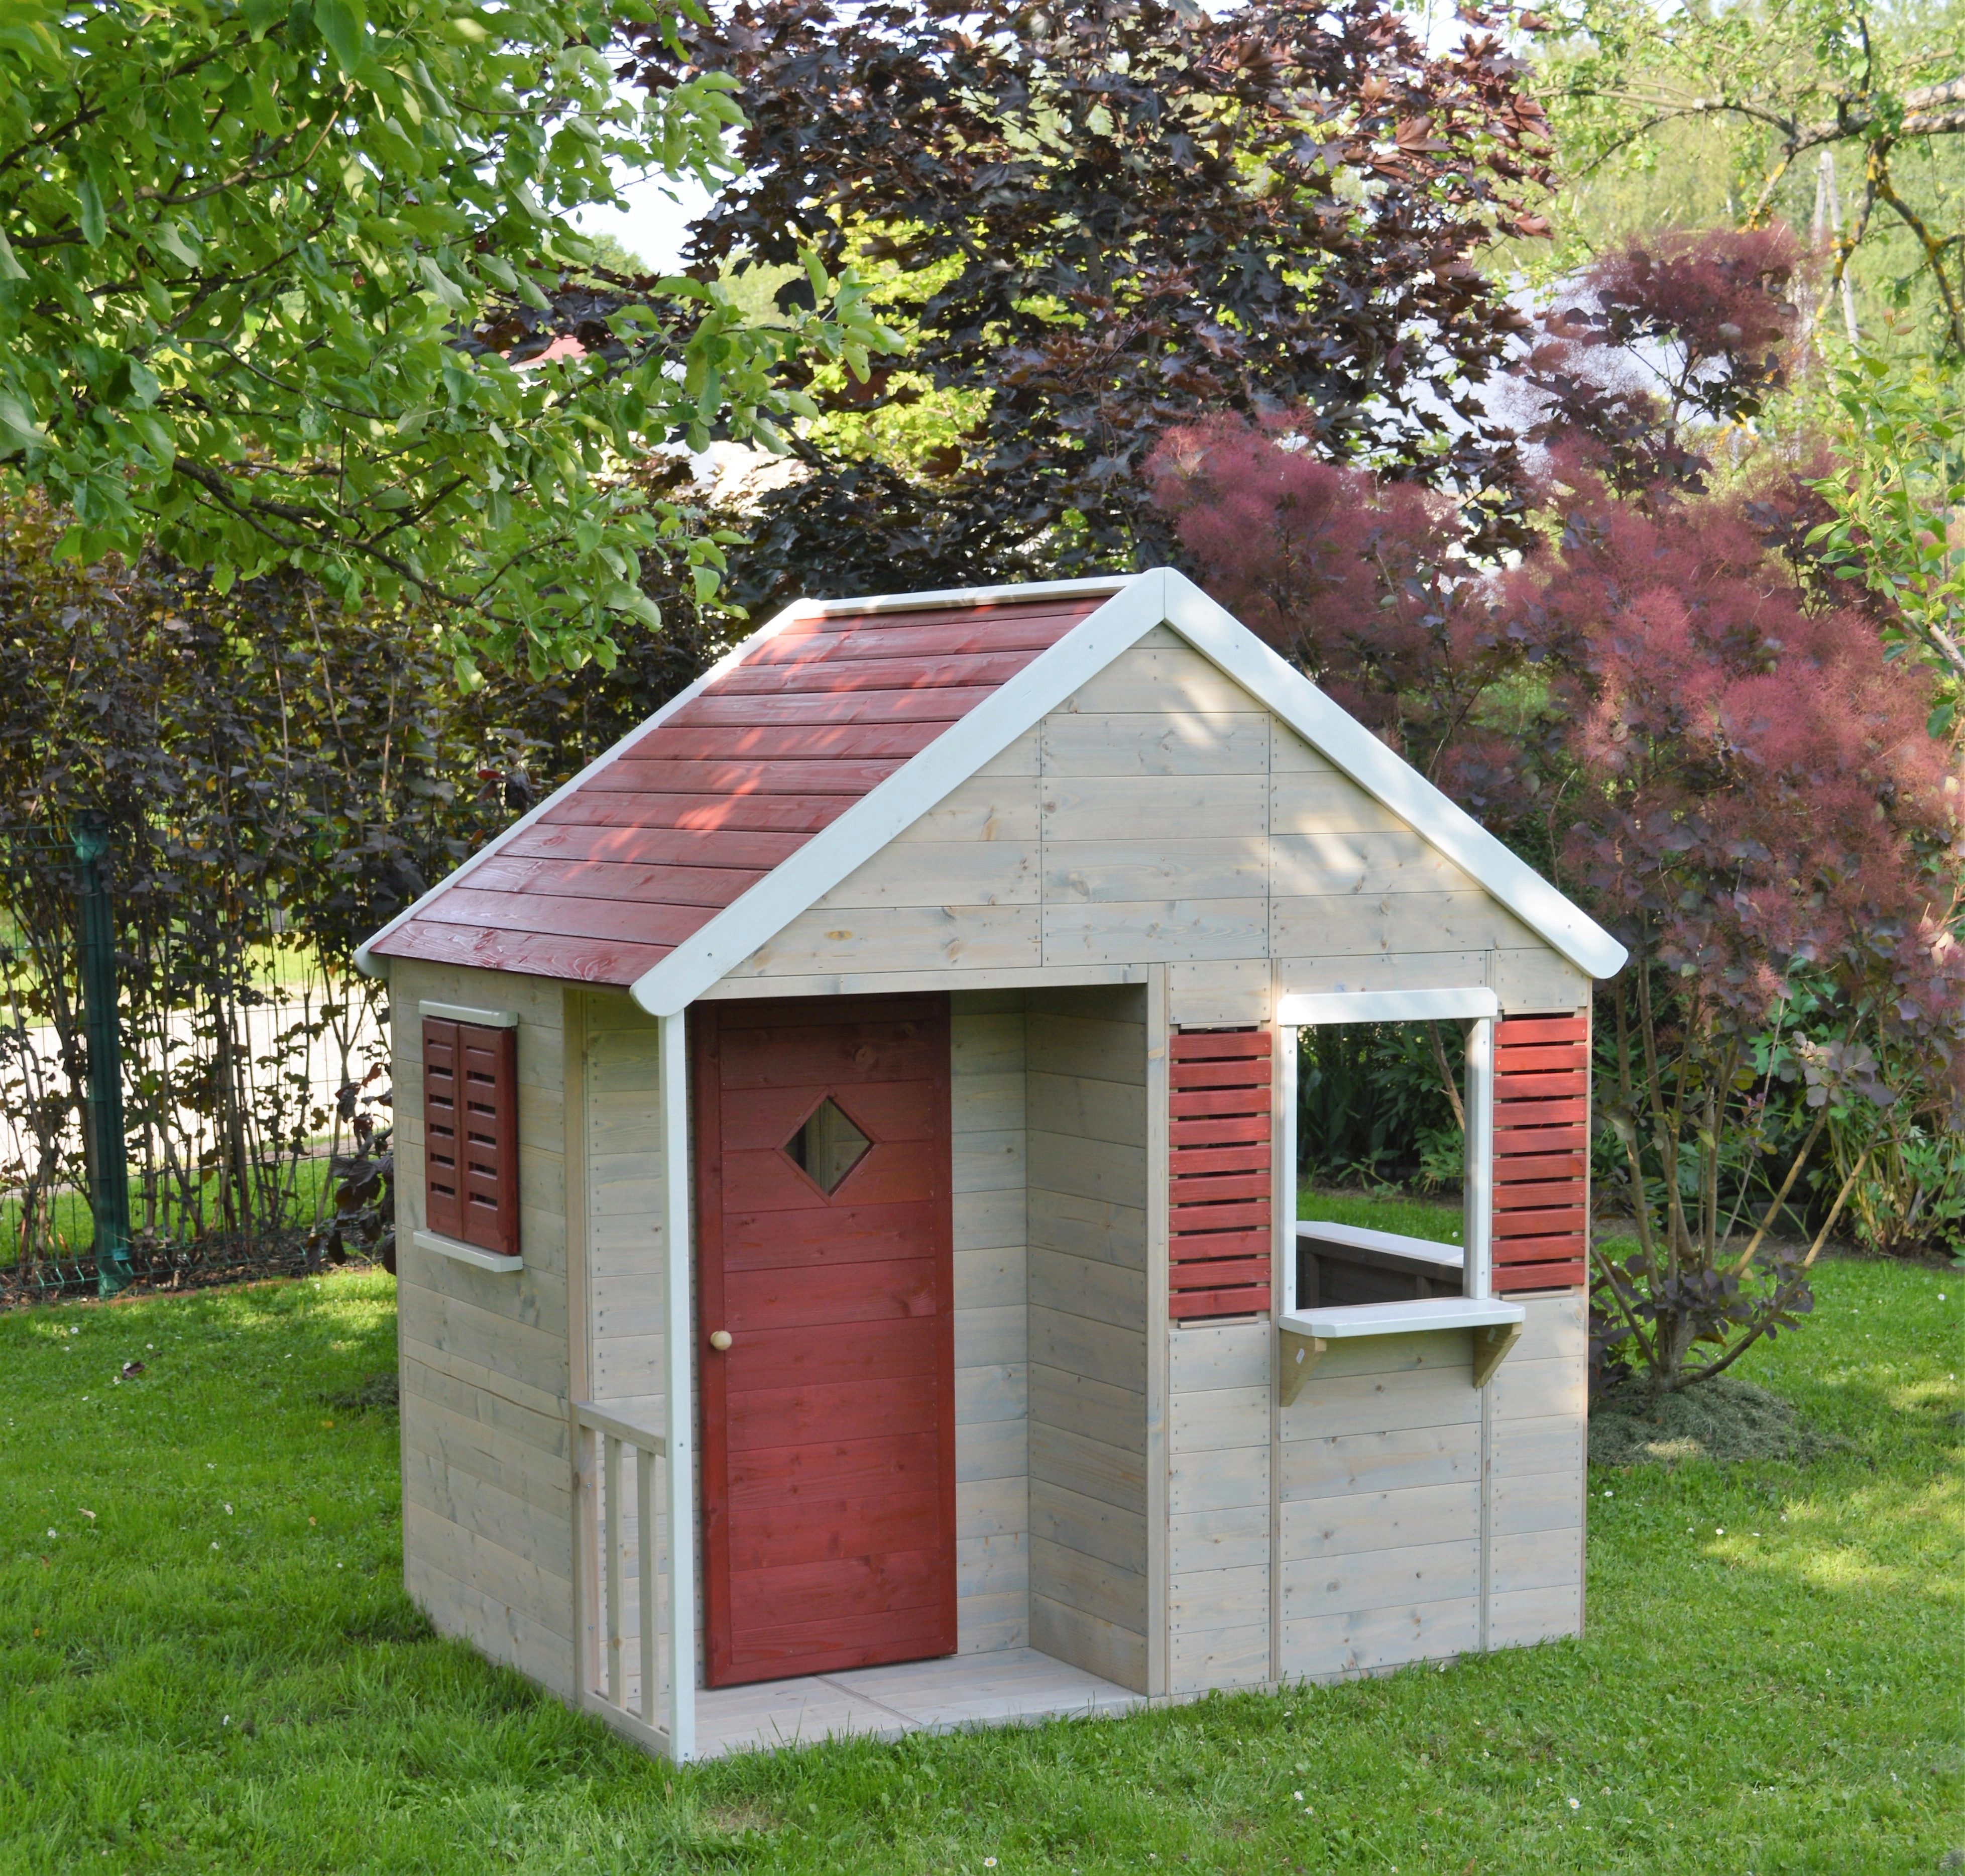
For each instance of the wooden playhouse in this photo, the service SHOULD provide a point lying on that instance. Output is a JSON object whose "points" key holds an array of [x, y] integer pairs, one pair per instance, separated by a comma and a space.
{"points": [[848, 1274]]}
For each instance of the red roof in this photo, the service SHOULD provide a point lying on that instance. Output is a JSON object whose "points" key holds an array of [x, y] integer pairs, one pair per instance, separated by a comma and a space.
{"points": [[648, 844]]}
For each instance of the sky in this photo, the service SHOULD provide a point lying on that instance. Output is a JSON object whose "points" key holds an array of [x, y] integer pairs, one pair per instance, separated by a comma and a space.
{"points": [[658, 216]]}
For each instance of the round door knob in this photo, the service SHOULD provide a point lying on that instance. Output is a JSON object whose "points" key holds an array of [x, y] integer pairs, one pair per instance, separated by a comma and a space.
{"points": [[719, 1339]]}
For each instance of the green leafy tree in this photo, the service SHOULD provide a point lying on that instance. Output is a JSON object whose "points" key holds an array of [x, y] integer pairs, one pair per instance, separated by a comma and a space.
{"points": [[1897, 504], [270, 271], [1733, 109]]}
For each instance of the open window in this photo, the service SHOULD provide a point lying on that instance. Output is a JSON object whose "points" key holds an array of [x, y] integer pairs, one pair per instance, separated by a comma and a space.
{"points": [[470, 1134], [1342, 1281]]}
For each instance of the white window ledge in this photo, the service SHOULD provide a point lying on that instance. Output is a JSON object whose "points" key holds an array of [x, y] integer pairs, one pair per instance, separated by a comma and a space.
{"points": [[1344, 1321], [464, 1012], [465, 1253], [1307, 1333]]}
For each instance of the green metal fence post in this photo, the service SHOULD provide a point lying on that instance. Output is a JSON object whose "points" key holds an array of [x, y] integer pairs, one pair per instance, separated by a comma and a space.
{"points": [[109, 1169]]}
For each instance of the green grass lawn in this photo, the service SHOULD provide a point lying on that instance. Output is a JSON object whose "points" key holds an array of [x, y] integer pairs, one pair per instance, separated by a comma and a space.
{"points": [[218, 1670]]}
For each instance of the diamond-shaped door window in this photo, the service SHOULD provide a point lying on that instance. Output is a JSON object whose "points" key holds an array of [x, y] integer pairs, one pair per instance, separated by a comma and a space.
{"points": [[827, 1146]]}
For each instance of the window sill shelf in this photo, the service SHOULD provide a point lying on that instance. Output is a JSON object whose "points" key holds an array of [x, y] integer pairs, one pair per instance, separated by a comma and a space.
{"points": [[1341, 1321], [1496, 1327], [462, 1253]]}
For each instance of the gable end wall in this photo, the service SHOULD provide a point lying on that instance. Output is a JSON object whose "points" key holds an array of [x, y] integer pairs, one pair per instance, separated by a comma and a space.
{"points": [[1163, 814]]}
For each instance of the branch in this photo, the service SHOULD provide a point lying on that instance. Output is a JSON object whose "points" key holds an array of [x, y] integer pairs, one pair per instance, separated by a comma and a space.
{"points": [[1933, 248], [1780, 1198], [1841, 1199], [1446, 1077]]}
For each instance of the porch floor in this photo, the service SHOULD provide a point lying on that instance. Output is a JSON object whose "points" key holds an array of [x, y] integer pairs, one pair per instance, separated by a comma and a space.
{"points": [[1004, 1686]]}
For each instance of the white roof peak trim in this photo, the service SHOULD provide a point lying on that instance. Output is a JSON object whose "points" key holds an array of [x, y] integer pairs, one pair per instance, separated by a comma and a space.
{"points": [[797, 610], [1239, 653], [1104, 583], [1137, 606]]}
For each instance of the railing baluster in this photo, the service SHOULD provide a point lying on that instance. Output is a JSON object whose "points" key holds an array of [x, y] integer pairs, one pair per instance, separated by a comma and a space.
{"points": [[611, 1488], [644, 1531], [601, 1540]]}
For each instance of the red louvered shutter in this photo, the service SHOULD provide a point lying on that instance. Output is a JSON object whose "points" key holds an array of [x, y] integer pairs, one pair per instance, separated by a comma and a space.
{"points": [[443, 1210], [1542, 1144], [471, 1134], [1220, 1214], [491, 1100]]}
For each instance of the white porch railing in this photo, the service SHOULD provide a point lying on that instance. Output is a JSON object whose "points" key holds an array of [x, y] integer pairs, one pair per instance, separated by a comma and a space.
{"points": [[625, 1587]]}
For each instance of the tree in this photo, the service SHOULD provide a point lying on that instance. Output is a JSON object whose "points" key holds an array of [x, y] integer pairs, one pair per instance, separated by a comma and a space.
{"points": [[1670, 706], [268, 276], [1881, 91], [1112, 217], [1896, 503]]}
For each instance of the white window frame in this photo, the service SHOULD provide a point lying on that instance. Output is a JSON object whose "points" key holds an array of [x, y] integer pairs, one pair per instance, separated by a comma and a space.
{"points": [[1479, 1008]]}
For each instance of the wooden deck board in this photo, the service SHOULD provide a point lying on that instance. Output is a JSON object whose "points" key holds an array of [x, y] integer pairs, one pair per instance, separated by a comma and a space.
{"points": [[1006, 1686]]}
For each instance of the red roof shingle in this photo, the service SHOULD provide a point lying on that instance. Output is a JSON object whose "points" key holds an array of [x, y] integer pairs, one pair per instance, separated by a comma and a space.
{"points": [[649, 844]]}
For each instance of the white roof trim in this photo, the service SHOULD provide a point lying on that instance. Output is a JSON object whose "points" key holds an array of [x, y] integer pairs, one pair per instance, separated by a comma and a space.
{"points": [[1137, 606], [1238, 653], [1305, 1009]]}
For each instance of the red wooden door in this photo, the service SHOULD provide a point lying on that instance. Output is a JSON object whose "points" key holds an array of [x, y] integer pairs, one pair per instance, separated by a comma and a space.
{"points": [[828, 1422]]}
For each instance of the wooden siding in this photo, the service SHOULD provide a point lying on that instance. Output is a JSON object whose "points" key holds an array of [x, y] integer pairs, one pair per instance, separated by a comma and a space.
{"points": [[1161, 816], [1420, 1517], [986, 1104], [1220, 1389], [1086, 1116], [484, 1362]]}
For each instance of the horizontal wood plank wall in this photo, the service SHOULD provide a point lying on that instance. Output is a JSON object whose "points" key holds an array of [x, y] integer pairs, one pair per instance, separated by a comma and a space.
{"points": [[1219, 1389], [1381, 1483], [990, 1152], [1380, 1544], [487, 1514], [1086, 1053], [1539, 1428]]}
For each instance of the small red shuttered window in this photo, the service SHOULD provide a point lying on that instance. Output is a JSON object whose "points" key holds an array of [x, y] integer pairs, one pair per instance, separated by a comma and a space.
{"points": [[471, 1134], [1542, 1144], [1220, 1201]]}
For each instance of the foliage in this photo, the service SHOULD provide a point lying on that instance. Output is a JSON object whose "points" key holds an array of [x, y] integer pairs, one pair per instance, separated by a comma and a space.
{"points": [[1896, 523], [279, 778], [1116, 217], [269, 278], [1377, 1103], [1657, 342], [1665, 707], [1879, 90], [278, 1704]]}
